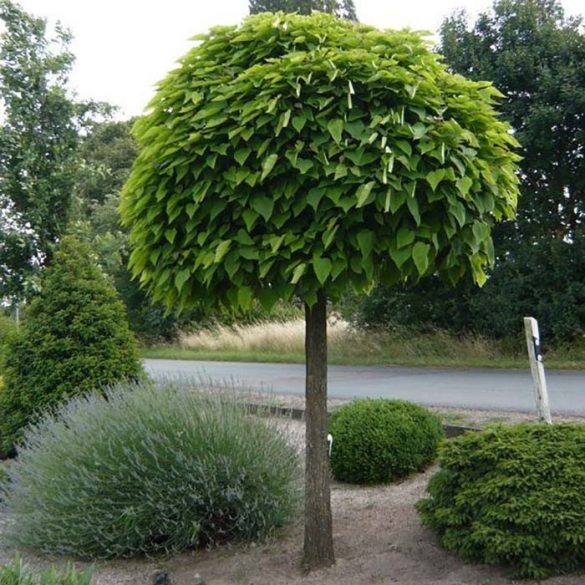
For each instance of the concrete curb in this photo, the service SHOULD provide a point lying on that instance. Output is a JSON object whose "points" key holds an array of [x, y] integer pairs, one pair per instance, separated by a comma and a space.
{"points": [[299, 414]]}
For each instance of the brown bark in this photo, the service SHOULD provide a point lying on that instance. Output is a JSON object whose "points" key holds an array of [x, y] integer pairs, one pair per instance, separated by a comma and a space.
{"points": [[318, 548]]}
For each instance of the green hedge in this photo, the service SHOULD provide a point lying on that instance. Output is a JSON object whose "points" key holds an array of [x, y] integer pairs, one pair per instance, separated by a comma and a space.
{"points": [[379, 440], [513, 496], [150, 470]]}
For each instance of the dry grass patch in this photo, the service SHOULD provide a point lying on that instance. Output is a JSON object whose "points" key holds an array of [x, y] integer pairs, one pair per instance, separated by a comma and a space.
{"points": [[346, 344], [277, 337]]}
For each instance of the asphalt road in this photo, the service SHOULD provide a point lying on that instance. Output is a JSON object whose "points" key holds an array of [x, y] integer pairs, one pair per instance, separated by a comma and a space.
{"points": [[455, 387]]}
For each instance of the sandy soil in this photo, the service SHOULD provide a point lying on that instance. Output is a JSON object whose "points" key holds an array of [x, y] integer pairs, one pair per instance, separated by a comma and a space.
{"points": [[378, 540]]}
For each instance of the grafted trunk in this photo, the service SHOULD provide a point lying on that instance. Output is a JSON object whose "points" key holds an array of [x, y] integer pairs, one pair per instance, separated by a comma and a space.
{"points": [[318, 548]]}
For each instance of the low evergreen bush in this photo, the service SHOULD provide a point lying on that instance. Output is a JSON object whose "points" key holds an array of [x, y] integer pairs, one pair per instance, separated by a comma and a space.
{"points": [[376, 441], [19, 574], [75, 339], [150, 469], [513, 496]]}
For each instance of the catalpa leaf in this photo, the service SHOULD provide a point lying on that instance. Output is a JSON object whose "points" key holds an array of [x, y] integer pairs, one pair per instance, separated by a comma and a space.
{"points": [[222, 250], [355, 129], [435, 177], [397, 200], [340, 171], [284, 119], [365, 239], [335, 128], [242, 155], [268, 297], [363, 193], [170, 235], [322, 267], [400, 256], [457, 210], [267, 165], [249, 216], [329, 235], [299, 122], [263, 205], [418, 130], [420, 255], [480, 231], [414, 209], [404, 237], [297, 273], [181, 278], [314, 197], [304, 165], [463, 185], [477, 270], [245, 297]]}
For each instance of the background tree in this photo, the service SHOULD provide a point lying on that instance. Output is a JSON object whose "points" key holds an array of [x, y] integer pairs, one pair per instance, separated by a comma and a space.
{"points": [[536, 56], [75, 339], [342, 9], [38, 142], [106, 155], [107, 152], [303, 155]]}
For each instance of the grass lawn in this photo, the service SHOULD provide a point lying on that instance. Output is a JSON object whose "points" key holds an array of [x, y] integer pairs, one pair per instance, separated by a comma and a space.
{"points": [[172, 352]]}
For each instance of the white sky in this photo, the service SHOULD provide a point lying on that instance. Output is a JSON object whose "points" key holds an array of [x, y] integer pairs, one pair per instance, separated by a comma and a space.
{"points": [[123, 47]]}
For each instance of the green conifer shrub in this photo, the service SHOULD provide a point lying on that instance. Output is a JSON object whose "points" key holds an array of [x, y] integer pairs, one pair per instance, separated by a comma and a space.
{"points": [[149, 470], [379, 440], [75, 339], [513, 496]]}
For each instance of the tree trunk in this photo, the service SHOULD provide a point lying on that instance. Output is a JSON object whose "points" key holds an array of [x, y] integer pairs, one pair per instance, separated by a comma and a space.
{"points": [[318, 549]]}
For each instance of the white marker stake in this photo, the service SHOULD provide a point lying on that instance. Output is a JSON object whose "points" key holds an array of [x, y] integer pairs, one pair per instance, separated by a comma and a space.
{"points": [[537, 368]]}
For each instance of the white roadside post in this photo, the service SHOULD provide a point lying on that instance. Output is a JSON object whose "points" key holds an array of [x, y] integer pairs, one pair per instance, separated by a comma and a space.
{"points": [[537, 368]]}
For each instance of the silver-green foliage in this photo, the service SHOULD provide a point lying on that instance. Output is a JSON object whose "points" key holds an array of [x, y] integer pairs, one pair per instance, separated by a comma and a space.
{"points": [[147, 470], [293, 154]]}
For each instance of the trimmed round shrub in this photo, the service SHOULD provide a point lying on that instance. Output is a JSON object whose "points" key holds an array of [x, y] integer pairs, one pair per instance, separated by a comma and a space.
{"points": [[75, 339], [513, 496], [377, 441], [150, 469]]}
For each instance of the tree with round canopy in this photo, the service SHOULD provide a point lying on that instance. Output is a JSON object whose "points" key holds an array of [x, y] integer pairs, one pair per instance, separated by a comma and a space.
{"points": [[294, 156]]}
